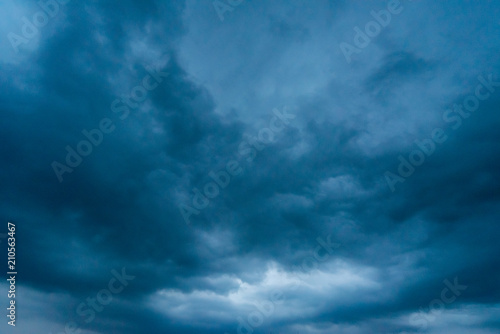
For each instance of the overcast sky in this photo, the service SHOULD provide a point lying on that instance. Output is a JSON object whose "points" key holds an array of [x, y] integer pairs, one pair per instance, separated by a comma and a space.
{"points": [[233, 166]]}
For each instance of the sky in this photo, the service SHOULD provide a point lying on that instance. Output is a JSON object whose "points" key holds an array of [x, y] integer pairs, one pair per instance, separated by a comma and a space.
{"points": [[250, 166]]}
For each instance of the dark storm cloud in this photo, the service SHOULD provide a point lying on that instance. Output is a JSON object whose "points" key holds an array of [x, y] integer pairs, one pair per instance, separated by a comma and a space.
{"points": [[321, 178]]}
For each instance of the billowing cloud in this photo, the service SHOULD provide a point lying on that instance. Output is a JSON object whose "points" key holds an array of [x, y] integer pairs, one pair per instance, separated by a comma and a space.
{"points": [[224, 167]]}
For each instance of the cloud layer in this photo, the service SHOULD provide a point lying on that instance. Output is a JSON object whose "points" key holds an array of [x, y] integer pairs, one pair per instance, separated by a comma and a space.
{"points": [[231, 216]]}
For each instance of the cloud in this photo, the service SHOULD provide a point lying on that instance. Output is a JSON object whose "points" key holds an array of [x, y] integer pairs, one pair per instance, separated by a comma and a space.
{"points": [[322, 177]]}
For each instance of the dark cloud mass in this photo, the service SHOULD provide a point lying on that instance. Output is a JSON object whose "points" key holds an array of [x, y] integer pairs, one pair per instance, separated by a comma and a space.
{"points": [[240, 166]]}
